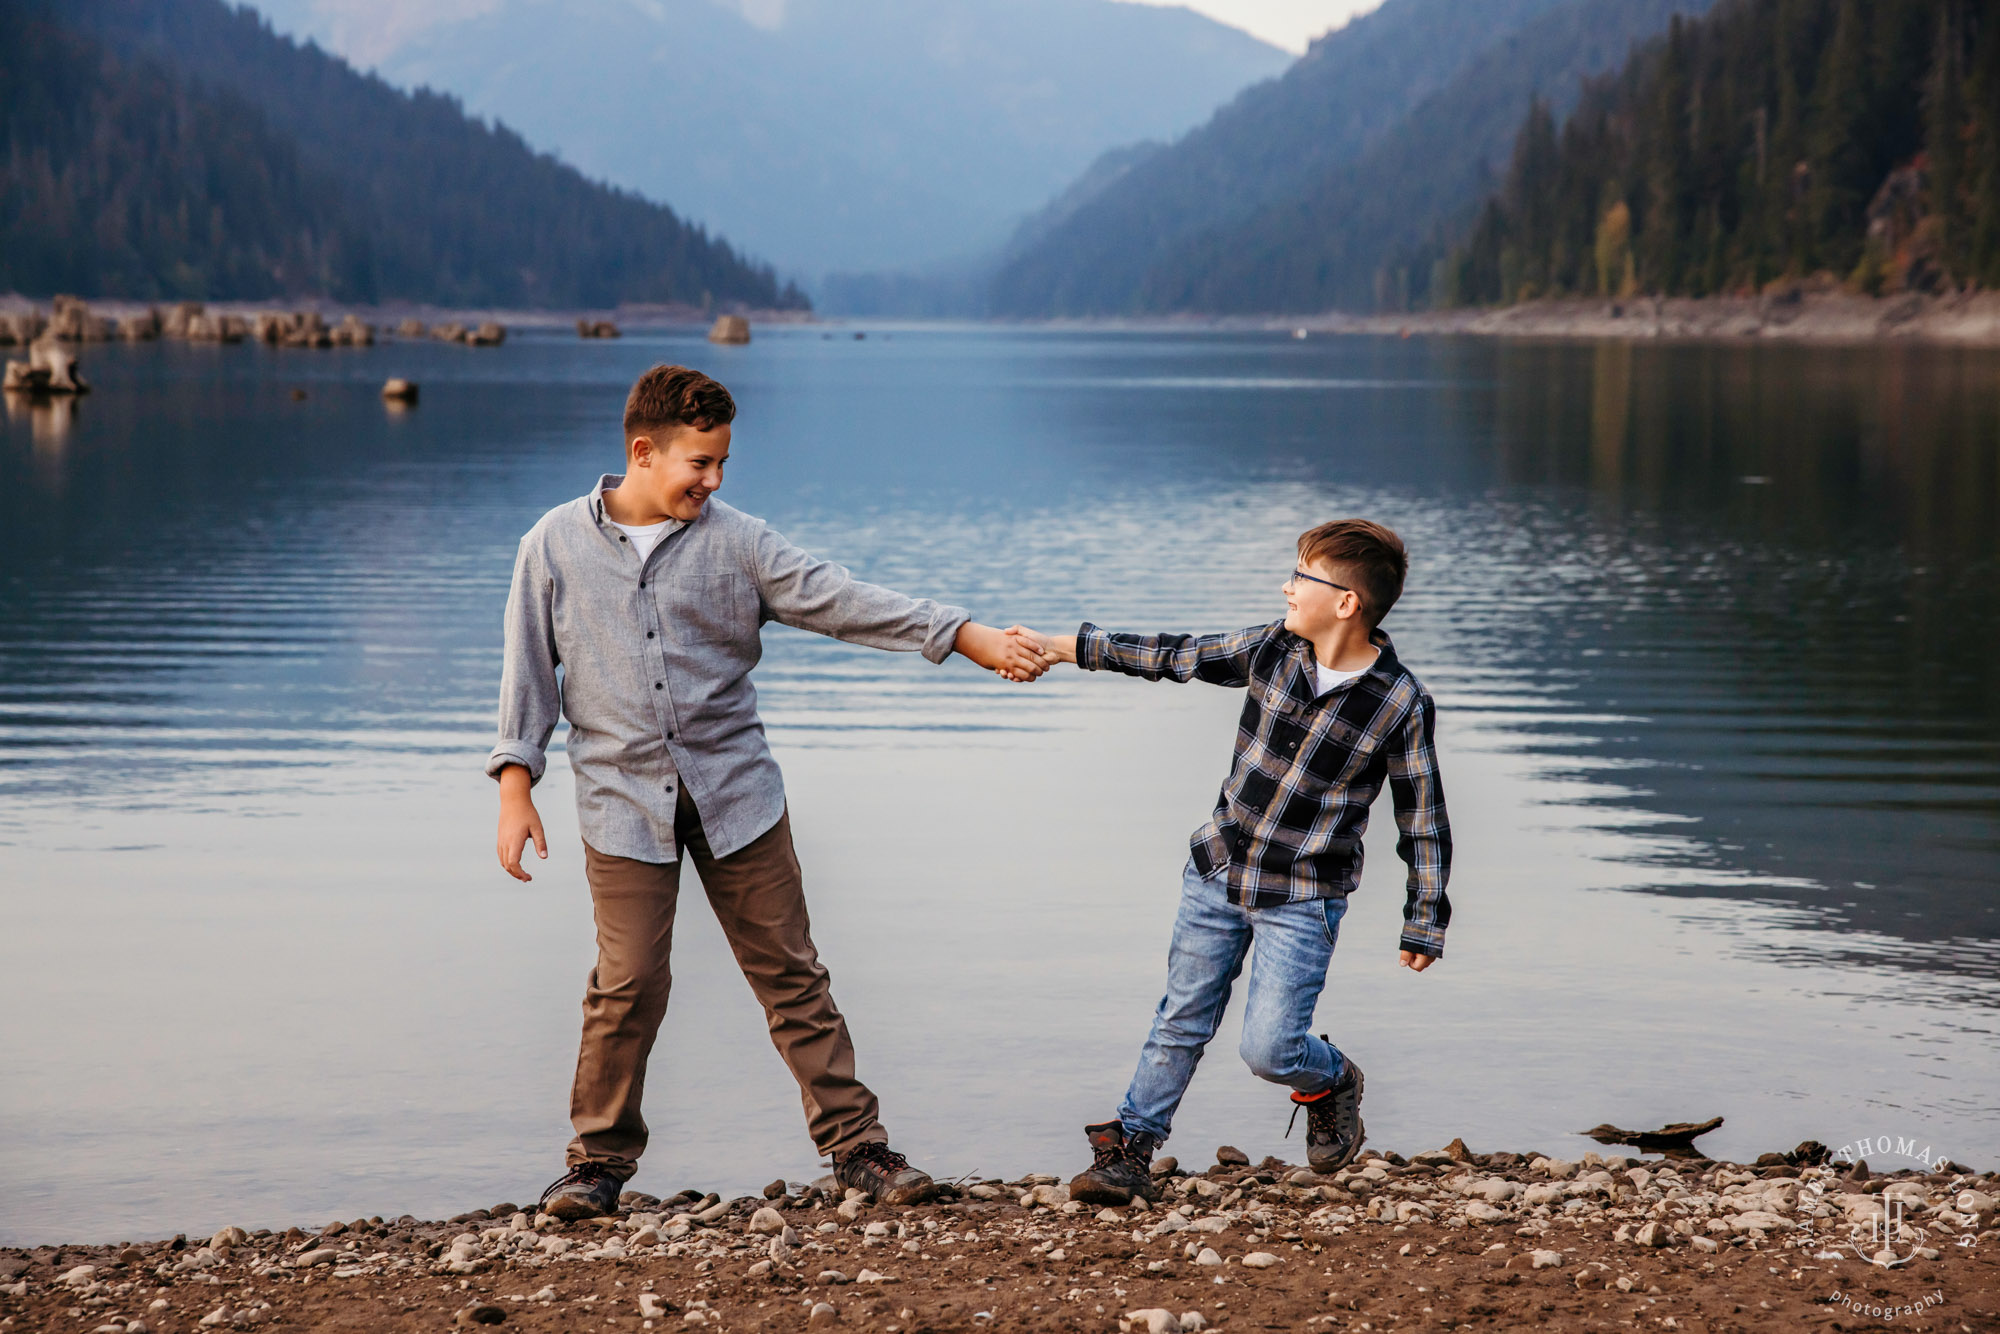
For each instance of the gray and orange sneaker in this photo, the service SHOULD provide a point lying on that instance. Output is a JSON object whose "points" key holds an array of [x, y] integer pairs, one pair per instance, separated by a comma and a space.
{"points": [[1334, 1131], [1121, 1167], [883, 1173]]}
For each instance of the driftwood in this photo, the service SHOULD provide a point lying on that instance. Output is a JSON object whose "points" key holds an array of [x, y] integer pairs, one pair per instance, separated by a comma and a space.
{"points": [[1676, 1140]]}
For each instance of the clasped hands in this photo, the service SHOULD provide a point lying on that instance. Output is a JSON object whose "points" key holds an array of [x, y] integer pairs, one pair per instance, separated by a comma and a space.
{"points": [[1016, 653]]}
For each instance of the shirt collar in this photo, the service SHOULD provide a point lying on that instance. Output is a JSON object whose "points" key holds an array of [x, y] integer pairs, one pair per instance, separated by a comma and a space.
{"points": [[611, 481], [1305, 680]]}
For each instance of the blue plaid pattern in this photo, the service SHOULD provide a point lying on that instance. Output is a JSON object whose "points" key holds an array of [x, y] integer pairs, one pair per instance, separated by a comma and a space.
{"points": [[1289, 820]]}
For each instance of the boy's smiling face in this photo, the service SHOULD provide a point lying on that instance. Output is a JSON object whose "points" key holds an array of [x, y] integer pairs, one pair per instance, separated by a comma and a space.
{"points": [[676, 470], [1313, 609]]}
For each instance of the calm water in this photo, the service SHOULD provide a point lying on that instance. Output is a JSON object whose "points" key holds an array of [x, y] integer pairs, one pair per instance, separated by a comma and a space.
{"points": [[1713, 631]]}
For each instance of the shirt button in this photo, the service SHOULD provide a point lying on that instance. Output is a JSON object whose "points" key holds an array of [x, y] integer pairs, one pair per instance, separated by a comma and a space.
{"points": [[649, 634], [621, 537], [642, 583], [659, 685]]}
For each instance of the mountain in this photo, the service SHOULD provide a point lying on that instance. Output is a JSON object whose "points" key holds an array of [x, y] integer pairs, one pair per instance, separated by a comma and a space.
{"points": [[178, 148], [1773, 140], [826, 134], [1307, 192]]}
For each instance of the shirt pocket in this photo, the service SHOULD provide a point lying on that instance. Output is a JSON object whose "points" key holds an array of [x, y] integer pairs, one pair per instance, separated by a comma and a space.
{"points": [[717, 608]]}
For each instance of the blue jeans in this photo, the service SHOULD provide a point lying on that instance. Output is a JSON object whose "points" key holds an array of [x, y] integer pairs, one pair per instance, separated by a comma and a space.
{"points": [[1292, 943]]}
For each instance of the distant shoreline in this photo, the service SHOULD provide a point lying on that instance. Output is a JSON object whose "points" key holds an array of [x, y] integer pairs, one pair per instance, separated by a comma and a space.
{"points": [[388, 314], [1971, 320], [1826, 318]]}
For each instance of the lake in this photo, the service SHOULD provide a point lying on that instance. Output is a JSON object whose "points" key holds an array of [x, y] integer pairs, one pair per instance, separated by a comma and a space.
{"points": [[1713, 631]]}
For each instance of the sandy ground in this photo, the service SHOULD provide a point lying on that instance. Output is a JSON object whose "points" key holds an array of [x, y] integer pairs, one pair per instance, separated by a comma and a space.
{"points": [[1444, 1243]]}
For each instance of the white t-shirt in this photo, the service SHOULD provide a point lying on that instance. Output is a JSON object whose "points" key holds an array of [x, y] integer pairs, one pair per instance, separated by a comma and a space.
{"points": [[646, 538], [1329, 679]]}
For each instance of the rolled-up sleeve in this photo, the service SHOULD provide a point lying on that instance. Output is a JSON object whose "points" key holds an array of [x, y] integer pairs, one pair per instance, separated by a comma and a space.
{"points": [[530, 699], [823, 597]]}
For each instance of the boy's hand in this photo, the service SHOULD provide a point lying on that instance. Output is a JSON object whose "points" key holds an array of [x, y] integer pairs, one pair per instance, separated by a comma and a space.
{"points": [[1416, 962], [1053, 648], [999, 651], [519, 822]]}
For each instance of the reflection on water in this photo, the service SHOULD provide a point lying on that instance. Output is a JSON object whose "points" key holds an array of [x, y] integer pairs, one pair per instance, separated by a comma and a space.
{"points": [[1793, 554], [1712, 625]]}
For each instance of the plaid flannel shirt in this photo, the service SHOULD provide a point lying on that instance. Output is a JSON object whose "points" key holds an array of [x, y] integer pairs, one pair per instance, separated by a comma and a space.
{"points": [[1289, 820]]}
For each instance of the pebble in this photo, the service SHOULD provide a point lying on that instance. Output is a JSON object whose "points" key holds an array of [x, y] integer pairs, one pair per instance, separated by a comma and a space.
{"points": [[1208, 1257], [480, 1314], [776, 1190], [761, 1268], [870, 1276], [1546, 1259], [228, 1238], [851, 1209], [832, 1278], [767, 1220], [651, 1306], [324, 1255], [823, 1313], [1259, 1260], [1231, 1156], [1151, 1319], [1481, 1212], [1654, 1233]]}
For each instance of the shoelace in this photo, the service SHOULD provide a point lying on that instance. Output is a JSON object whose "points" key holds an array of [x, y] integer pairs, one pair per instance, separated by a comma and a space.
{"points": [[877, 1154], [1296, 1106], [583, 1174]]}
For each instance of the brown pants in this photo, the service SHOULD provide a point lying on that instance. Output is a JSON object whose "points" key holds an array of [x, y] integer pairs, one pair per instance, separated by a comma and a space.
{"points": [[759, 898]]}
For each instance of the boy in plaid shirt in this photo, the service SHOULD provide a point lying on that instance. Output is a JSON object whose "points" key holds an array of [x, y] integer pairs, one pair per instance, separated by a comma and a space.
{"points": [[1331, 714]]}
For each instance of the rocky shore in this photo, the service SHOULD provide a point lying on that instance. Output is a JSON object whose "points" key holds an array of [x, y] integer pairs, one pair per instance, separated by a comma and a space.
{"points": [[1793, 315], [1443, 1240]]}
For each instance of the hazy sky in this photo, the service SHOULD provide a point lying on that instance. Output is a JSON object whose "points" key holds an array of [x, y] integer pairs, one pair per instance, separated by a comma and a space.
{"points": [[1287, 23]]}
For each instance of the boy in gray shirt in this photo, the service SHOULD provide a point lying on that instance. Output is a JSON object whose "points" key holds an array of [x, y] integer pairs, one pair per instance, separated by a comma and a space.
{"points": [[650, 595]]}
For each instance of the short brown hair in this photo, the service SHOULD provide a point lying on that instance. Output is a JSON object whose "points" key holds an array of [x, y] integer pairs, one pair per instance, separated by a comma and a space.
{"points": [[667, 396], [1372, 556]]}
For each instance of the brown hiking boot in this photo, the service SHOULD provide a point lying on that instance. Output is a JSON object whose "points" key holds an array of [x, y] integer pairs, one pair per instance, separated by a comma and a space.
{"points": [[883, 1173], [587, 1190], [1122, 1167]]}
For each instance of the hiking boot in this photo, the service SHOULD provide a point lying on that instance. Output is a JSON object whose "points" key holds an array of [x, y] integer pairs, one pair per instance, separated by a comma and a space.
{"points": [[883, 1173], [1334, 1133], [587, 1190], [1122, 1167]]}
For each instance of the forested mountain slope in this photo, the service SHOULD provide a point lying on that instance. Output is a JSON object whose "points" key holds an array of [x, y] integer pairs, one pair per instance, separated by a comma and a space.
{"points": [[1774, 139], [178, 148]]}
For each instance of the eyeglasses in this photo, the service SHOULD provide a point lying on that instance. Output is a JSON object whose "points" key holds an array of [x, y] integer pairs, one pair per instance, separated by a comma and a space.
{"points": [[1313, 578]]}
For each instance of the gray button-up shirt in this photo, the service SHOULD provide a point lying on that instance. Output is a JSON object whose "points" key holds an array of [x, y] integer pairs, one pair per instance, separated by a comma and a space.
{"points": [[656, 660]]}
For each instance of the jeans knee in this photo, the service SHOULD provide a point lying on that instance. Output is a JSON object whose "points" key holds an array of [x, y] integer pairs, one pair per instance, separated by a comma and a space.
{"points": [[1271, 1056]]}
